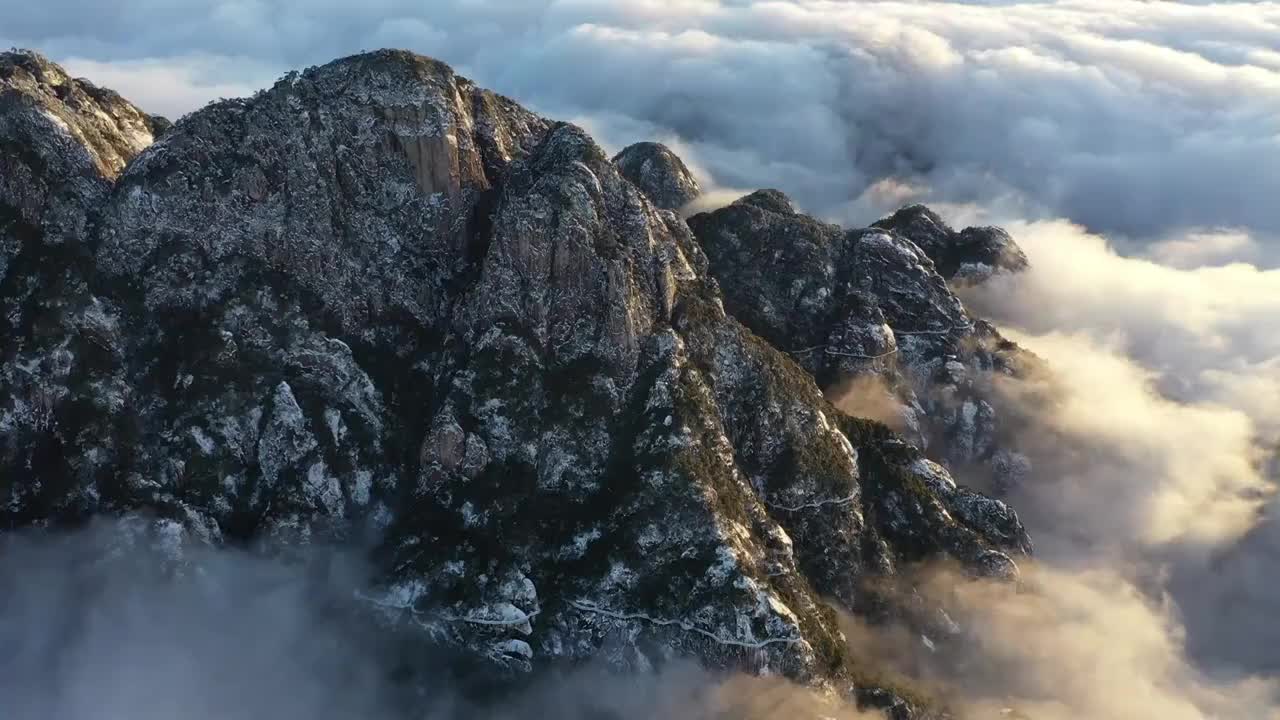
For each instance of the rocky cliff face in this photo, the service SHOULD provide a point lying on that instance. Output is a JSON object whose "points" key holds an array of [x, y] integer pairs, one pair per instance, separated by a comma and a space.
{"points": [[63, 142], [866, 312], [377, 304]]}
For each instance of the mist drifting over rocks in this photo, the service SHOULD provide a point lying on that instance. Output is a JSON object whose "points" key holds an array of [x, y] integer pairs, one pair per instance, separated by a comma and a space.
{"points": [[1116, 387]]}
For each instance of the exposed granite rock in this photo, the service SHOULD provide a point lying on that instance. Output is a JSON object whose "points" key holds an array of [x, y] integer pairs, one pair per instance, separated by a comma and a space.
{"points": [[62, 144], [376, 302], [867, 303], [109, 129], [967, 257], [358, 180], [659, 173]]}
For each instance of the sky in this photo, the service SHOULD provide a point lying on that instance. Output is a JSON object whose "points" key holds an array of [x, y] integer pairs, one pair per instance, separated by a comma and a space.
{"points": [[1131, 147]]}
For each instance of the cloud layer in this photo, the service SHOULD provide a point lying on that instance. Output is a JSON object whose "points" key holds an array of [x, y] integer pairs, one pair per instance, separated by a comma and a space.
{"points": [[130, 619], [1155, 446], [1169, 377], [1133, 149], [1084, 644], [1136, 119]]}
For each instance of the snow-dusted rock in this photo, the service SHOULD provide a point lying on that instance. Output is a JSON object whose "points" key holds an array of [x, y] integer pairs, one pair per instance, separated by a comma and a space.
{"points": [[377, 302], [659, 173], [967, 257], [868, 303], [62, 143]]}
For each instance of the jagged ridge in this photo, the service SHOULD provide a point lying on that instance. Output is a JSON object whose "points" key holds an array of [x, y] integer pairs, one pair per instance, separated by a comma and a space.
{"points": [[377, 301], [871, 303]]}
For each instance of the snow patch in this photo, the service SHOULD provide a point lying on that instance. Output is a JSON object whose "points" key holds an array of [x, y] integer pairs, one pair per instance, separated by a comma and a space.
{"points": [[933, 475], [203, 441]]}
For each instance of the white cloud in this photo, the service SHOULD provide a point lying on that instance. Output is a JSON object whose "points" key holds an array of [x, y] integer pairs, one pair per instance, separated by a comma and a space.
{"points": [[1155, 439], [1084, 644], [170, 88], [1136, 118], [1192, 327]]}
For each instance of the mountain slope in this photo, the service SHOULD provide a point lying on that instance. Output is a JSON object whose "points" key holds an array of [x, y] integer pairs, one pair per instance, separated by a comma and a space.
{"points": [[63, 142], [376, 304], [868, 314]]}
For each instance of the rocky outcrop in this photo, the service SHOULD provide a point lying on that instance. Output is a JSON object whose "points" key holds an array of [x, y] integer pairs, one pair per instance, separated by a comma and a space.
{"points": [[358, 182], [659, 173], [377, 303], [867, 313], [967, 257], [109, 129], [63, 142]]}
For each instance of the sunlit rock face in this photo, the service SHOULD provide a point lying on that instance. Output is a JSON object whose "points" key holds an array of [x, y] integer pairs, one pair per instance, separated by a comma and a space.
{"points": [[375, 304], [659, 173]]}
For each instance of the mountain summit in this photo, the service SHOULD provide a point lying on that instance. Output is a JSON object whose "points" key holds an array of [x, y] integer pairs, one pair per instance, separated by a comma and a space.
{"points": [[377, 301], [659, 173]]}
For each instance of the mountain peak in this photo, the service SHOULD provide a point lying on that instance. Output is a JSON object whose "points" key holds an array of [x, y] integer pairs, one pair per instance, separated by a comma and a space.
{"points": [[866, 308], [375, 298], [33, 63], [966, 257], [659, 173], [773, 201], [37, 92]]}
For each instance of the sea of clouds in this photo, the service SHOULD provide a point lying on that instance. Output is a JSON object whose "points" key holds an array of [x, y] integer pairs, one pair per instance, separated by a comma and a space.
{"points": [[1133, 150]]}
